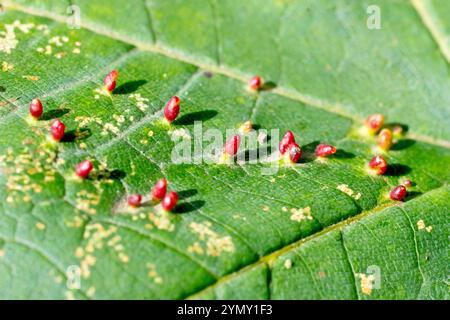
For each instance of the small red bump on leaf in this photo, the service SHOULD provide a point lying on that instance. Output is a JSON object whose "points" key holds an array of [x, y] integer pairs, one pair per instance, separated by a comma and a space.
{"points": [[110, 80], [135, 200], [374, 122], [323, 150], [232, 145], [378, 164], [170, 201], [407, 183], [255, 83], [295, 152], [172, 109], [36, 108], [398, 193], [84, 168], [385, 139], [159, 190], [288, 138], [57, 129]]}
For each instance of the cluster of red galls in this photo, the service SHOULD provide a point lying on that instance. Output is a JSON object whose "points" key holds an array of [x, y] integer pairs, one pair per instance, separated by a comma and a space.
{"points": [[384, 140], [289, 149], [159, 194]]}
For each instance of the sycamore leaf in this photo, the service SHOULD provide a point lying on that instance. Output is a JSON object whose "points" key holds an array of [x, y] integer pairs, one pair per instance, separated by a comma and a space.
{"points": [[319, 229]]}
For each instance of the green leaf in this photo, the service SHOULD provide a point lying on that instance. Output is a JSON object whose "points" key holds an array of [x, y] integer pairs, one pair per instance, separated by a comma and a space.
{"points": [[317, 230]]}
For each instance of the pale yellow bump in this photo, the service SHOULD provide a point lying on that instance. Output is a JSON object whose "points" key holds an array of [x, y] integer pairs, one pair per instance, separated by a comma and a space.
{"points": [[246, 127], [161, 220], [344, 188], [83, 146], [265, 208], [301, 214], [90, 292], [367, 282], [79, 252], [144, 141], [288, 263], [421, 226], [195, 248], [58, 279], [76, 222], [141, 102], [31, 78], [183, 133], [150, 133], [123, 257], [6, 66], [40, 225], [284, 209], [214, 243], [69, 295], [2, 253]]}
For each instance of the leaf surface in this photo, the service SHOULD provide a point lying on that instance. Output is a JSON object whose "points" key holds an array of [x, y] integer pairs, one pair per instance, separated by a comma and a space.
{"points": [[236, 233]]}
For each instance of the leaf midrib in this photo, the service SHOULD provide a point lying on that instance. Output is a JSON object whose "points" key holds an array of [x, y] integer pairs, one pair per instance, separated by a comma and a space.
{"points": [[316, 102], [270, 258]]}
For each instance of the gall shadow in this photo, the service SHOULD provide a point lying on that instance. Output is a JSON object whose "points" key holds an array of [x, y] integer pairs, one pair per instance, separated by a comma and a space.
{"points": [[129, 87], [396, 169], [53, 114], [412, 194], [109, 174], [308, 152], [186, 207], [187, 193], [254, 155], [403, 144], [190, 118], [267, 86], [342, 154], [2, 89], [76, 135]]}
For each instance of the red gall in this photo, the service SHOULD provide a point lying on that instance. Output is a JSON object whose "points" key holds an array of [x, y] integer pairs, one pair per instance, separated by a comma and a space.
{"points": [[83, 169], [407, 183], [57, 130], [110, 80], [323, 150], [36, 108], [255, 83], [374, 123], [172, 109], [384, 139], [170, 201], [287, 139], [232, 145], [398, 193], [378, 164], [135, 200], [295, 152], [159, 190]]}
